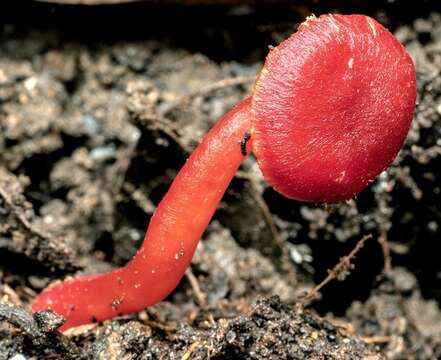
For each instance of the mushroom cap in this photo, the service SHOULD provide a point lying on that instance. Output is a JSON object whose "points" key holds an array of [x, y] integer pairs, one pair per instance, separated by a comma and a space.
{"points": [[332, 107]]}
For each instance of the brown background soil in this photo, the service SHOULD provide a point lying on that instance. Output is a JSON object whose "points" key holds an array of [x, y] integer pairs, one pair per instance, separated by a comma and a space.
{"points": [[99, 108]]}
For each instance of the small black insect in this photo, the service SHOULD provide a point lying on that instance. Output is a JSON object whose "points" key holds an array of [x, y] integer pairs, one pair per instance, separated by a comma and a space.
{"points": [[243, 143]]}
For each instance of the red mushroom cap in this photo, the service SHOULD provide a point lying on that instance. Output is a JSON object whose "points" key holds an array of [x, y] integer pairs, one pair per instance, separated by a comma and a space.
{"points": [[343, 91]]}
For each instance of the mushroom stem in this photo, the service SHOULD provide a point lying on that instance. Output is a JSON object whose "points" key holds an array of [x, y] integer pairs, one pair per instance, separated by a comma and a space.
{"points": [[171, 239]]}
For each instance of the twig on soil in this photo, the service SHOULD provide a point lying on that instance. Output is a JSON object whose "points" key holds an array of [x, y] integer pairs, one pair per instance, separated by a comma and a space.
{"points": [[341, 270], [157, 325], [201, 297], [119, 169], [384, 243], [345, 328], [156, 122], [191, 349], [139, 197], [9, 295], [219, 85], [377, 339]]}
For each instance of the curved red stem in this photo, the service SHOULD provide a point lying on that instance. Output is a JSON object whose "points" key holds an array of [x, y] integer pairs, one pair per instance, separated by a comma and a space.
{"points": [[171, 239]]}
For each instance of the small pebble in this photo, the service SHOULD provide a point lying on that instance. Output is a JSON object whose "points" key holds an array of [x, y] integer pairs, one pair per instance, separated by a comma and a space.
{"points": [[90, 125], [18, 357], [103, 153]]}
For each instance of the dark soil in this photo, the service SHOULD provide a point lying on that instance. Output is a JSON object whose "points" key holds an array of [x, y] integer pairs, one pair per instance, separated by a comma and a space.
{"points": [[99, 108]]}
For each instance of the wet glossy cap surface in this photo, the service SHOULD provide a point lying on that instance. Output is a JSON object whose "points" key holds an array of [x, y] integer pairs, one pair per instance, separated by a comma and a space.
{"points": [[332, 107]]}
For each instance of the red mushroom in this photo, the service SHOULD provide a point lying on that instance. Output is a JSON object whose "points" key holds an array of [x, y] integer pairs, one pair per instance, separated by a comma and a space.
{"points": [[329, 111]]}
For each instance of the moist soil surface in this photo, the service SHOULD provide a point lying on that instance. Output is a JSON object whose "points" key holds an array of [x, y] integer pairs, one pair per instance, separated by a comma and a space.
{"points": [[100, 107]]}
